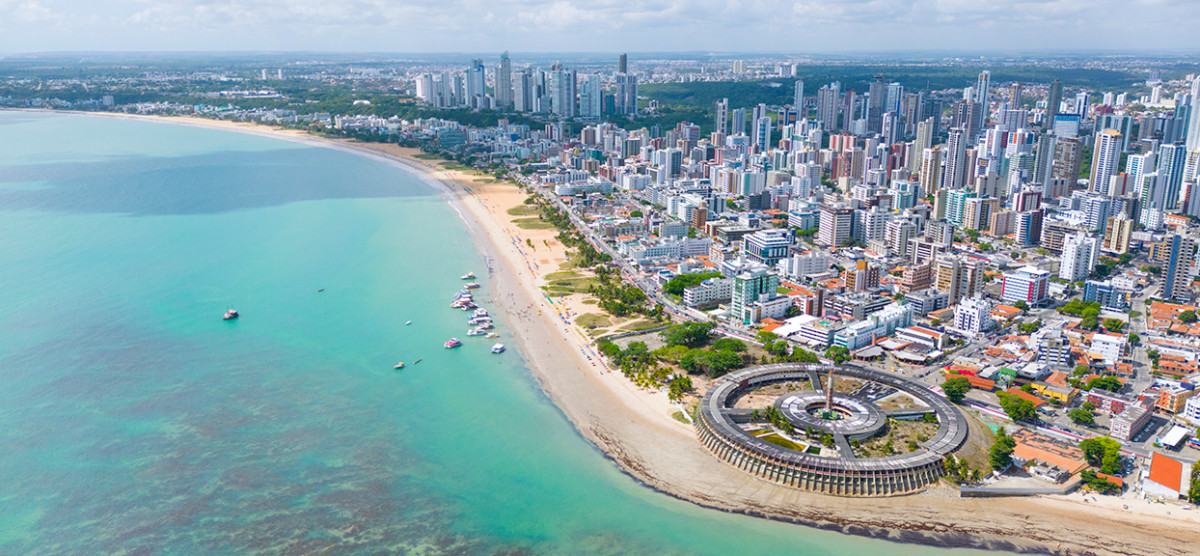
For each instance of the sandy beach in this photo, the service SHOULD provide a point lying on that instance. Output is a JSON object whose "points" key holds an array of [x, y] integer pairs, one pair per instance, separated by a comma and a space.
{"points": [[635, 429]]}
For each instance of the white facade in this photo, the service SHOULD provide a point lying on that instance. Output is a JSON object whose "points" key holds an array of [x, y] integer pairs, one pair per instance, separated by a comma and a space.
{"points": [[804, 265], [973, 316], [1191, 410], [877, 325], [713, 290], [1080, 255], [1109, 346]]}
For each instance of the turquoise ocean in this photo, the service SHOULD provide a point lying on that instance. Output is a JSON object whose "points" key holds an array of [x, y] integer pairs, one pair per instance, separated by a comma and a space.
{"points": [[133, 419]]}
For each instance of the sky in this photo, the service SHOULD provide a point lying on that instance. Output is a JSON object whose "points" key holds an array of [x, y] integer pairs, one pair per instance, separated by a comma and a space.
{"points": [[791, 26]]}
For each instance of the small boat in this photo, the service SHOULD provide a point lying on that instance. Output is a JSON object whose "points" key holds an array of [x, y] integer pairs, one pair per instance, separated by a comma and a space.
{"points": [[477, 320], [399, 365], [498, 348], [468, 276], [481, 313], [475, 332], [320, 290], [230, 314], [493, 334], [406, 323], [417, 361], [452, 343], [472, 285], [485, 325], [462, 293]]}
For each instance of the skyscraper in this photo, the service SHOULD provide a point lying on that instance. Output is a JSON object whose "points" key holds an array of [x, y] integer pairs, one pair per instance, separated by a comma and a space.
{"points": [[798, 98], [1178, 283], [982, 90], [721, 123], [954, 175], [1106, 155], [626, 94], [1193, 128], [562, 92], [1080, 255], [622, 64], [504, 87], [827, 106], [1053, 99], [877, 98], [1171, 160], [475, 84], [591, 95], [523, 91]]}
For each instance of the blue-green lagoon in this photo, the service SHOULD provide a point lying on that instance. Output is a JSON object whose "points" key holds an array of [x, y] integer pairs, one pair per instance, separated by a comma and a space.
{"points": [[133, 419]]}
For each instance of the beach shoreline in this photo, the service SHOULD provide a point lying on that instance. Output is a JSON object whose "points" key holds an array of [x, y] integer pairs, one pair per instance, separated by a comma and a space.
{"points": [[634, 428]]}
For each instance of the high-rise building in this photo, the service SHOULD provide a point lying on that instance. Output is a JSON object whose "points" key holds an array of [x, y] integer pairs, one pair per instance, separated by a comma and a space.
{"points": [[931, 170], [828, 101], [737, 124], [862, 277], [923, 140], [504, 86], [876, 99], [982, 95], [1106, 157], [1068, 157], [1171, 161], [563, 92], [754, 284], [1177, 285], [622, 64], [591, 96], [1028, 283], [523, 91], [475, 84], [956, 276], [1117, 232], [798, 97], [973, 316], [954, 175], [835, 225], [1028, 228], [721, 123], [1079, 257], [1053, 99]]}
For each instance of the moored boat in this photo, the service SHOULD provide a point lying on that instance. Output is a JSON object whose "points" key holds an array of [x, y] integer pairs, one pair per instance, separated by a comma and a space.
{"points": [[498, 348], [468, 276], [230, 314], [475, 332], [399, 365], [452, 343], [472, 285]]}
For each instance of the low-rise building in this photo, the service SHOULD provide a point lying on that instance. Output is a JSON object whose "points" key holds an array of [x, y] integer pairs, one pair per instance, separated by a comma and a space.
{"points": [[877, 325], [708, 292], [1165, 479], [1111, 402], [927, 301], [1173, 397], [1130, 422], [1191, 410], [924, 336], [1109, 346]]}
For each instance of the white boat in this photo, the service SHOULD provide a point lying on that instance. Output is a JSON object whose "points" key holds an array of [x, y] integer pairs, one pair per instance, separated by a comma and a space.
{"points": [[399, 365], [493, 334], [468, 276], [407, 323], [452, 343], [475, 332], [485, 325], [472, 285], [478, 320], [481, 312], [230, 314], [498, 348]]}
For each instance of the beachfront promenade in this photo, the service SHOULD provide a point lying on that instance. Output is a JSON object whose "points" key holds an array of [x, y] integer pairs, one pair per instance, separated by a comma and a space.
{"points": [[845, 474]]}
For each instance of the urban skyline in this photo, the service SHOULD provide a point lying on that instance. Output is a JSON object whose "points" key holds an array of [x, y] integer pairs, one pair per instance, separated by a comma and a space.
{"points": [[379, 25]]}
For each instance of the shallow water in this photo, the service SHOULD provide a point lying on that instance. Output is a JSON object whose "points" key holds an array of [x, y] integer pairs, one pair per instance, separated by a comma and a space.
{"points": [[133, 419]]}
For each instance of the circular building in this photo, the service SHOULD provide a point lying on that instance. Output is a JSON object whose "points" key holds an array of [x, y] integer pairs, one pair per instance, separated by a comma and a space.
{"points": [[840, 417]]}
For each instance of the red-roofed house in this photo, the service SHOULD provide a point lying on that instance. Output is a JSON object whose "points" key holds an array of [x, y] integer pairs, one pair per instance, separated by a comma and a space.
{"points": [[1165, 479], [1037, 402]]}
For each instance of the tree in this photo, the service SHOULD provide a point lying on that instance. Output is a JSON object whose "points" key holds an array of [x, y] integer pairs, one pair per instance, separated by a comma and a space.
{"points": [[838, 354], [729, 344], [1110, 383], [792, 311], [1082, 417], [1099, 449], [1030, 327], [679, 385], [1187, 316], [1080, 370], [691, 334], [1134, 339], [1114, 325], [1022, 305], [1000, 456], [721, 362], [956, 388], [1018, 409]]}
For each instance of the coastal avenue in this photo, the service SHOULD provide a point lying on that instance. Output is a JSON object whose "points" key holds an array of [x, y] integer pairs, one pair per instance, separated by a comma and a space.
{"points": [[628, 271]]}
